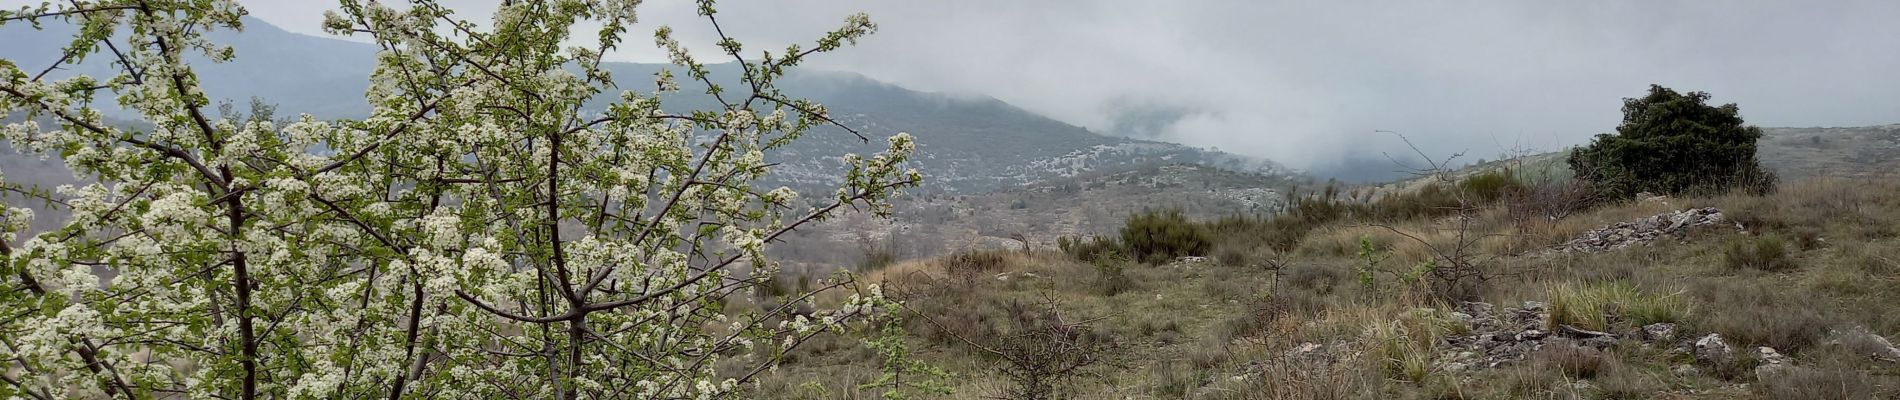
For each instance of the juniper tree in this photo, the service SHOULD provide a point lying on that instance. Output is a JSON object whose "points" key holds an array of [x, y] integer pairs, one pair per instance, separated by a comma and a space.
{"points": [[1672, 142]]}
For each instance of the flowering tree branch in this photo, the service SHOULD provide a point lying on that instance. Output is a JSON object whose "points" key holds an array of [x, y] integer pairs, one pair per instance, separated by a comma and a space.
{"points": [[484, 232]]}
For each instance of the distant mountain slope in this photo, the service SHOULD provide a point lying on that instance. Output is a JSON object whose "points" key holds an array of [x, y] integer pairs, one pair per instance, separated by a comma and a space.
{"points": [[1850, 152], [1794, 154], [1095, 203], [966, 143]]}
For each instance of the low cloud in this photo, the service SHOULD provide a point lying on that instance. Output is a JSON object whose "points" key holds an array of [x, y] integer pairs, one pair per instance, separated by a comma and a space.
{"points": [[1308, 83]]}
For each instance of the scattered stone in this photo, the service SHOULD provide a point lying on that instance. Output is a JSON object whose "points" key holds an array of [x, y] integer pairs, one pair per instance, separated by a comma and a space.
{"points": [[1475, 309], [1531, 334], [1494, 338], [1462, 318], [1580, 333], [1768, 355], [1771, 363], [1685, 370], [1533, 311], [1536, 307], [1599, 342], [1713, 349], [1660, 332], [1642, 231]]}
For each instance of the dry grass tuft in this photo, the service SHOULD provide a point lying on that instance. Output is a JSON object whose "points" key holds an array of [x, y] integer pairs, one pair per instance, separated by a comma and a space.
{"points": [[1603, 306], [1766, 253]]}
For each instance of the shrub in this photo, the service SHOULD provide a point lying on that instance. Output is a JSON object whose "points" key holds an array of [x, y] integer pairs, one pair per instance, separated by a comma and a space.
{"points": [[1314, 211], [1110, 279], [1157, 237], [969, 264], [1671, 142], [1491, 186], [1041, 353], [1091, 248], [1230, 256], [1430, 201], [1550, 201], [1767, 253]]}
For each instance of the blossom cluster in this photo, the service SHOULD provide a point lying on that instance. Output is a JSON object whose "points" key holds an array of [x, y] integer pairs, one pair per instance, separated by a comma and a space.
{"points": [[478, 235]]}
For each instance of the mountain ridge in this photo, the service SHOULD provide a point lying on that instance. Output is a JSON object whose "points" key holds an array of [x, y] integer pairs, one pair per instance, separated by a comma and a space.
{"points": [[967, 143]]}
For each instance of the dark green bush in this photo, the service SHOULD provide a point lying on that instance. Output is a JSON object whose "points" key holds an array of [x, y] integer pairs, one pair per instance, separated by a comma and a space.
{"points": [[1673, 143], [1489, 187], [1156, 237], [971, 263], [1435, 200], [1091, 248], [1320, 210]]}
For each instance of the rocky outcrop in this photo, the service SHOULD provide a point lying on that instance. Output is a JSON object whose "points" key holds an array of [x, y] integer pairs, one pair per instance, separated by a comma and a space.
{"points": [[1770, 362], [1642, 231], [1499, 338], [1712, 349], [1660, 332]]}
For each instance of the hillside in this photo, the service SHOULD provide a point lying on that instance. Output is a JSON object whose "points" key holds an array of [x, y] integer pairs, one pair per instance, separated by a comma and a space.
{"points": [[1857, 152], [966, 143], [1794, 154], [1796, 304], [1095, 203]]}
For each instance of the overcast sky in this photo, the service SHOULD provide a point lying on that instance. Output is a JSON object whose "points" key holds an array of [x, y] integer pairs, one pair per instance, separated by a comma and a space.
{"points": [[1307, 83]]}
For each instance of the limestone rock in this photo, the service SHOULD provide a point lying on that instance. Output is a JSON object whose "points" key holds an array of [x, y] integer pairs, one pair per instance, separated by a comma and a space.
{"points": [[1642, 231], [1713, 349], [1771, 363], [1660, 332]]}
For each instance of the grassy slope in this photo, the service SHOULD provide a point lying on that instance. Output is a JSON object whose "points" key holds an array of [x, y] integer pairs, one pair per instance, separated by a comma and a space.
{"points": [[1221, 331]]}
